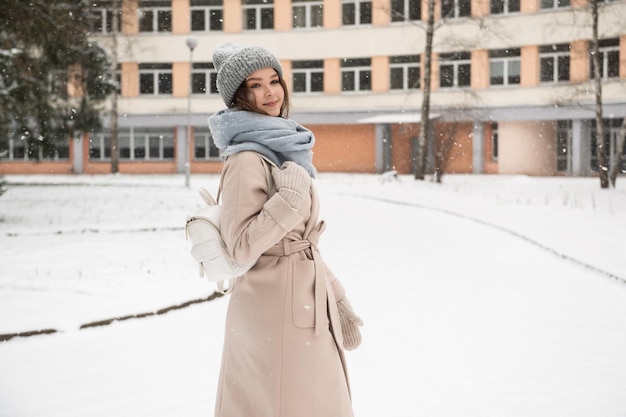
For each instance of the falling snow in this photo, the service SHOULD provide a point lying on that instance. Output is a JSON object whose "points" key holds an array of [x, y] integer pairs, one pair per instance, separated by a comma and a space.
{"points": [[483, 296]]}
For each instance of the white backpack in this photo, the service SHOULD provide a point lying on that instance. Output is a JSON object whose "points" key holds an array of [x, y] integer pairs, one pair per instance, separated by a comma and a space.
{"points": [[208, 247]]}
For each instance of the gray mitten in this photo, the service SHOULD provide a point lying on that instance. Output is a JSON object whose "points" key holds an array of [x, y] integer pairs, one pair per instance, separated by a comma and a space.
{"points": [[292, 182], [350, 323]]}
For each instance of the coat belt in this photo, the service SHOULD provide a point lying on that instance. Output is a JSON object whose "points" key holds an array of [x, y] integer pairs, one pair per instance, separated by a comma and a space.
{"points": [[323, 291]]}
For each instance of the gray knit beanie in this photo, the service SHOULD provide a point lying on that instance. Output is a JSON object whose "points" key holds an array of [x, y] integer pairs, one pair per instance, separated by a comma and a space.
{"points": [[234, 64]]}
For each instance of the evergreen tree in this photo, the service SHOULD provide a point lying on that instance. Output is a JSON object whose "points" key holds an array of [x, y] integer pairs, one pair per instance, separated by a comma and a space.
{"points": [[44, 53]]}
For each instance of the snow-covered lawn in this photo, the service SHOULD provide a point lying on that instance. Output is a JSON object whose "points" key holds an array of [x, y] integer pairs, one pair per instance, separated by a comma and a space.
{"points": [[484, 296]]}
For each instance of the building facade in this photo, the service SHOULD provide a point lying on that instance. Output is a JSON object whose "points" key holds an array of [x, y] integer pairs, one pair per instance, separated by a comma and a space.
{"points": [[511, 84]]}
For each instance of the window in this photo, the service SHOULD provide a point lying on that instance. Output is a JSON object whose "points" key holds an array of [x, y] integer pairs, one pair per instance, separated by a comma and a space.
{"points": [[609, 58], [563, 146], [203, 78], [159, 144], [102, 17], [155, 144], [4, 148], [57, 151], [454, 70], [504, 66], [155, 79], [356, 12], [554, 4], [456, 8], [404, 72], [307, 13], [356, 74], [554, 63], [613, 133], [207, 15], [155, 16], [504, 6], [308, 76], [258, 14], [403, 10], [204, 147], [100, 145], [18, 149], [494, 141]]}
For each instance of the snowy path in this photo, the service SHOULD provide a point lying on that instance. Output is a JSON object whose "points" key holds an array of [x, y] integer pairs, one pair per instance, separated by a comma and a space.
{"points": [[461, 319]]}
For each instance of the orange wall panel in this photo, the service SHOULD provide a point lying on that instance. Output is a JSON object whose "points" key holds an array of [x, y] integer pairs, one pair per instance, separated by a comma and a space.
{"points": [[527, 147], [344, 148], [480, 8], [130, 79], [132, 167], [381, 12], [401, 146], [380, 74], [460, 156], [579, 61], [232, 16], [529, 76], [434, 71], [206, 167], [282, 15], [287, 74], [32, 167], [332, 14], [130, 19], [529, 6], [180, 16], [480, 69], [332, 76], [180, 83]]}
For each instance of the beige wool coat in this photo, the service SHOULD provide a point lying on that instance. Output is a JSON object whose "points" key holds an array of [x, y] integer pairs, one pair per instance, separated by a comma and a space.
{"points": [[283, 350]]}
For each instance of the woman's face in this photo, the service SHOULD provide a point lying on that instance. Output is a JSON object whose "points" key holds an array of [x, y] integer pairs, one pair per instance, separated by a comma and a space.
{"points": [[266, 93]]}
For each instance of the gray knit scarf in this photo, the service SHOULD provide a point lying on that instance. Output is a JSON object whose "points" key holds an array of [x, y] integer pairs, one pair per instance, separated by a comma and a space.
{"points": [[276, 138]]}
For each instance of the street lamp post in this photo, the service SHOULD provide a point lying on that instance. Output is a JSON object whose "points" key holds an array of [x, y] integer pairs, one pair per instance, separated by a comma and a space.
{"points": [[191, 44]]}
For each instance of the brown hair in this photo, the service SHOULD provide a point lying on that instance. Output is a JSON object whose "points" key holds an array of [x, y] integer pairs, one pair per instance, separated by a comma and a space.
{"points": [[242, 99]]}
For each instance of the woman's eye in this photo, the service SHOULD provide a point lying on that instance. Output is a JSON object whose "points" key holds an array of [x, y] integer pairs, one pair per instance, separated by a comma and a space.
{"points": [[274, 82]]}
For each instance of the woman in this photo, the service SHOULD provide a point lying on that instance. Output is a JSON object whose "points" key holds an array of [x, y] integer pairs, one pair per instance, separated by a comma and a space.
{"points": [[288, 319]]}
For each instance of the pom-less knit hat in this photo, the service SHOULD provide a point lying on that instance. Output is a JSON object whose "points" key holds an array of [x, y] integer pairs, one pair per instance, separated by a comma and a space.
{"points": [[234, 64]]}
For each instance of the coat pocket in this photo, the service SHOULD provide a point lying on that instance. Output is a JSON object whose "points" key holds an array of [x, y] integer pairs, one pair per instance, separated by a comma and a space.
{"points": [[303, 302]]}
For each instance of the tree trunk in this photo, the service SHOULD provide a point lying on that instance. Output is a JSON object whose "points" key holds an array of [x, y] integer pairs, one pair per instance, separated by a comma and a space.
{"points": [[115, 149], [420, 166], [616, 163], [602, 165], [444, 149]]}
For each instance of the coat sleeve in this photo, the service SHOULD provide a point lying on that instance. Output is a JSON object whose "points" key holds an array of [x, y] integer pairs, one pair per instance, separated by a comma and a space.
{"points": [[250, 223]]}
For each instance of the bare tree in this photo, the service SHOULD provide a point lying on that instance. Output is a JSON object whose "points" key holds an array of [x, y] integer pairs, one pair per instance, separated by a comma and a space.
{"points": [[420, 165], [115, 149], [616, 162], [443, 149], [597, 77]]}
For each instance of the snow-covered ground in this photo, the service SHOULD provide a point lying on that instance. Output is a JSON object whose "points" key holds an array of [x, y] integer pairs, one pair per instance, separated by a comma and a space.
{"points": [[484, 296]]}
